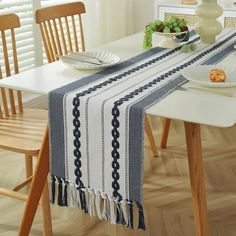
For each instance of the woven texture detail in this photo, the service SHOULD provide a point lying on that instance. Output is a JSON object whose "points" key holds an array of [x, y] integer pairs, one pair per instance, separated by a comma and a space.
{"points": [[230, 22]]}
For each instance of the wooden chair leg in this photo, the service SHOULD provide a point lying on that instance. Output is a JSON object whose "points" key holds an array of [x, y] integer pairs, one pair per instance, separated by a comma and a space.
{"points": [[148, 131], [28, 167], [165, 132], [46, 212], [196, 172], [36, 189]]}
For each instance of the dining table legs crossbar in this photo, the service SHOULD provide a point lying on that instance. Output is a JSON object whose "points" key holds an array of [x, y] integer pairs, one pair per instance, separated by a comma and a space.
{"points": [[196, 172]]}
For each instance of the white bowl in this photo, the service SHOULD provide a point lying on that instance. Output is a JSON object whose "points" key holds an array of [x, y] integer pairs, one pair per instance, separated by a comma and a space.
{"points": [[168, 40]]}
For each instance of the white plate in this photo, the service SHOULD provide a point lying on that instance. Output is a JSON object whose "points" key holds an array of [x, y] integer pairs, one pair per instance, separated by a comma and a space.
{"points": [[78, 60], [199, 74]]}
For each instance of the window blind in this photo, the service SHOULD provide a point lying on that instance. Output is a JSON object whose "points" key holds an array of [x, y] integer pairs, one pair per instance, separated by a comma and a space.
{"points": [[25, 34], [28, 39]]}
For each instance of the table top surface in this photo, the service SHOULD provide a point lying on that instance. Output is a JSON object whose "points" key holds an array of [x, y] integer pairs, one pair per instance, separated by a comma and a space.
{"points": [[192, 106]]}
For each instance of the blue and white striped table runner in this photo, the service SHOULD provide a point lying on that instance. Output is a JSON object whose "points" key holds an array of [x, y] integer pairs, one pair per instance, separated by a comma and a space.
{"points": [[96, 129]]}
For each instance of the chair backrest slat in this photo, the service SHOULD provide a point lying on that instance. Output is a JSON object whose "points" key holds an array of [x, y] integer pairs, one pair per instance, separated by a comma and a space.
{"points": [[57, 37], [75, 34], [20, 103], [4, 99], [60, 34], [5, 53], [8, 70], [1, 115], [81, 33], [52, 38], [16, 67], [68, 34], [8, 23], [50, 50]]}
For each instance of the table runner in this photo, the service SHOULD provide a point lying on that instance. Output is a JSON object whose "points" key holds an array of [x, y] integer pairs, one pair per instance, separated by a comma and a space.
{"points": [[96, 129]]}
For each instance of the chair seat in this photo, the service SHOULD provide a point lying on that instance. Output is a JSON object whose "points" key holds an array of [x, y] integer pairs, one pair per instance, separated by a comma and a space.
{"points": [[23, 133]]}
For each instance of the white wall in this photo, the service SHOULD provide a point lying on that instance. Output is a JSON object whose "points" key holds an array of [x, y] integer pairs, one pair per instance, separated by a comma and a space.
{"points": [[143, 13]]}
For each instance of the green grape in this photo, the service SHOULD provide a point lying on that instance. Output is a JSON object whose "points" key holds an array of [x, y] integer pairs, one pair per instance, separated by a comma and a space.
{"points": [[193, 47], [171, 26], [175, 24], [148, 28], [164, 23], [177, 29], [153, 26], [145, 45], [166, 30], [158, 22], [180, 25], [185, 48], [147, 40]]}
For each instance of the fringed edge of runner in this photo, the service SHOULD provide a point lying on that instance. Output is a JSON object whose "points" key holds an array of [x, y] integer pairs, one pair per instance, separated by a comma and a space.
{"points": [[96, 203]]}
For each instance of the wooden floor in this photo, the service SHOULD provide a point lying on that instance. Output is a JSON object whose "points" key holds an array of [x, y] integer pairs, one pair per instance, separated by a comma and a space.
{"points": [[167, 198]]}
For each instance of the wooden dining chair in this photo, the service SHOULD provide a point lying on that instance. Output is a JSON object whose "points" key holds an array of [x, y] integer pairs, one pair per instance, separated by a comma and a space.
{"points": [[61, 29], [21, 130], [61, 34]]}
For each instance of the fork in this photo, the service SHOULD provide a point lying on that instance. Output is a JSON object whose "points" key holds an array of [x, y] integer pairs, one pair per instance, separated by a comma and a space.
{"points": [[74, 57], [87, 56]]}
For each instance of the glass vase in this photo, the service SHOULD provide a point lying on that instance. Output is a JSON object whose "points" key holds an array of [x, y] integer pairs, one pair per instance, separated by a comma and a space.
{"points": [[208, 26]]}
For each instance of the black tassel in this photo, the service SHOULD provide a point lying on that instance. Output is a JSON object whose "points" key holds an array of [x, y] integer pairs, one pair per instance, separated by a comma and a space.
{"points": [[65, 202], [131, 216], [53, 180], [141, 223], [85, 203], [60, 193], [81, 199], [119, 215]]}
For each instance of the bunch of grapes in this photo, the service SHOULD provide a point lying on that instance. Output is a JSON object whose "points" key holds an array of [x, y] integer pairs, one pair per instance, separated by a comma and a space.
{"points": [[172, 25]]}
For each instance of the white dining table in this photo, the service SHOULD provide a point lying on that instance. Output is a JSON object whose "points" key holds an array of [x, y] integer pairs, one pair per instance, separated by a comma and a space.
{"points": [[193, 107]]}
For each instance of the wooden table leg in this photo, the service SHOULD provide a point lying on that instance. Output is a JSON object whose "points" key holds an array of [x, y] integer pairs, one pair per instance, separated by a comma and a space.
{"points": [[148, 131], [37, 186], [165, 132], [196, 171]]}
